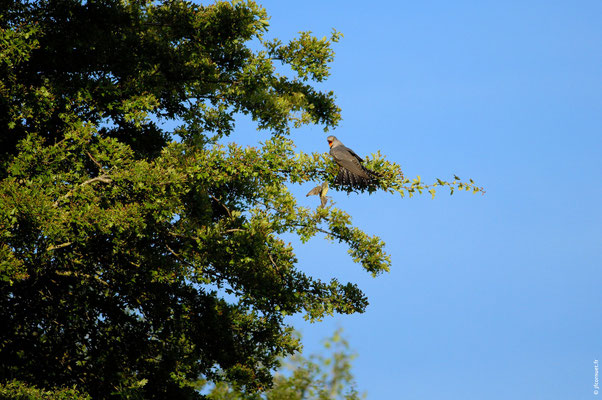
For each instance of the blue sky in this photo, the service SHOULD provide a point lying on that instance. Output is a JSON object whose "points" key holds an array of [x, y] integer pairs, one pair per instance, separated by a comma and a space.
{"points": [[496, 296]]}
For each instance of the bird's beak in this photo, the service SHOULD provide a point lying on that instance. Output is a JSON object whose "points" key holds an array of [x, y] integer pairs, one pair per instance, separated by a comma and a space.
{"points": [[330, 143]]}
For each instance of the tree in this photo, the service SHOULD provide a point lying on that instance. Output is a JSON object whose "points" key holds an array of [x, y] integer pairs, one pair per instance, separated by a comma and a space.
{"points": [[138, 260], [323, 376]]}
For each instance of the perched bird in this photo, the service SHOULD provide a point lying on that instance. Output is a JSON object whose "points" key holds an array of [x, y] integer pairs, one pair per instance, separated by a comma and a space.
{"points": [[351, 170], [321, 191]]}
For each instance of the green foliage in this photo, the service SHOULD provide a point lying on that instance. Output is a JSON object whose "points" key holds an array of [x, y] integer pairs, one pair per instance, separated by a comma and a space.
{"points": [[323, 376], [16, 390], [308, 55], [138, 261]]}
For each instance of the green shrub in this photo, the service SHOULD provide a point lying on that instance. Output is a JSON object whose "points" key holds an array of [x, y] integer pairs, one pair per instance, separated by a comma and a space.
{"points": [[16, 390]]}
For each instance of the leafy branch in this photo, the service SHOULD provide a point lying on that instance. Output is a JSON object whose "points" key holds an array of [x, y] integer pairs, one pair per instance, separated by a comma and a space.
{"points": [[416, 185]]}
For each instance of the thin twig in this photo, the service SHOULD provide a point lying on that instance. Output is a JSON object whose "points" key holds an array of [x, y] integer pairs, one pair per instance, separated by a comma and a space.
{"points": [[203, 270], [222, 204], [274, 264], [94, 161], [104, 178], [80, 275], [58, 246], [176, 255]]}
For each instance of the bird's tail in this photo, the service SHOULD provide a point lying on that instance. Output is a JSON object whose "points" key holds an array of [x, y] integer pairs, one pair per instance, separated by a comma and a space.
{"points": [[347, 178]]}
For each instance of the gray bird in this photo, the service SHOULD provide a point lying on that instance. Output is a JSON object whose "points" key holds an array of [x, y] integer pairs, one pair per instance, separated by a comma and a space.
{"points": [[320, 191], [351, 170]]}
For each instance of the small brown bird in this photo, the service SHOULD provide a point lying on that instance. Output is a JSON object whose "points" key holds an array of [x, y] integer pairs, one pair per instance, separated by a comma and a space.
{"points": [[320, 191], [351, 170]]}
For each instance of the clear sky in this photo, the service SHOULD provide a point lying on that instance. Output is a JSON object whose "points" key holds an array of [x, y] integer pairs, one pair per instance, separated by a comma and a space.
{"points": [[489, 297]]}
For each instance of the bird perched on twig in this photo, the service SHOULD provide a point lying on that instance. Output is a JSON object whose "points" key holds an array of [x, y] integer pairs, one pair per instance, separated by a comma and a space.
{"points": [[321, 191], [351, 170]]}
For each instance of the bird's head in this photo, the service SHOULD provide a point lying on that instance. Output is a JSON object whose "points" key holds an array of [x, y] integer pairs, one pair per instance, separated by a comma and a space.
{"points": [[331, 140]]}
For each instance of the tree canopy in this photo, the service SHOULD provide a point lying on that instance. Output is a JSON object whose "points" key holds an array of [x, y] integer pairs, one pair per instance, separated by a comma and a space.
{"points": [[140, 260]]}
